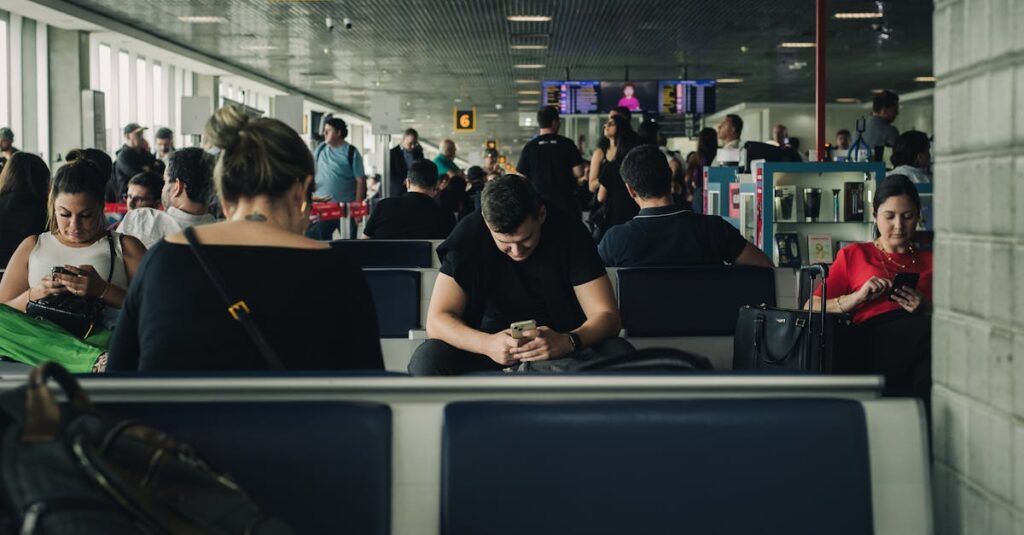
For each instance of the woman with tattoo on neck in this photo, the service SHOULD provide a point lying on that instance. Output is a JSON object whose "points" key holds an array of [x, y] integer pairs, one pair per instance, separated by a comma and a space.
{"points": [[177, 316]]}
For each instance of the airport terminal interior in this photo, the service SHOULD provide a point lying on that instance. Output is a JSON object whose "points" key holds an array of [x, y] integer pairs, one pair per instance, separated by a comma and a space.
{"points": [[512, 266]]}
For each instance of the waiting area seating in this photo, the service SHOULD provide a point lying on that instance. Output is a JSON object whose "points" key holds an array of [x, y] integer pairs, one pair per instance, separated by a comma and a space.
{"points": [[390, 253]]}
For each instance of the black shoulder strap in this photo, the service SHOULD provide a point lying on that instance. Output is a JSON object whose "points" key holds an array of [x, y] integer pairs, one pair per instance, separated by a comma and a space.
{"points": [[113, 256], [351, 156], [238, 310]]}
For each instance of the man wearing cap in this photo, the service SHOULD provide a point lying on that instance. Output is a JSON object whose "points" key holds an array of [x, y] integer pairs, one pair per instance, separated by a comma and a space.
{"points": [[164, 144], [132, 159], [6, 145]]}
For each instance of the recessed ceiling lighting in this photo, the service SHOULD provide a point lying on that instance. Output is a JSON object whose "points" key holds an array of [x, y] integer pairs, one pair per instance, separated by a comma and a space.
{"points": [[529, 66], [328, 82], [197, 19], [491, 115], [258, 47], [408, 120], [529, 18], [527, 101], [848, 100], [530, 92], [498, 106], [924, 79], [796, 44], [529, 47], [862, 15], [522, 81], [730, 80]]}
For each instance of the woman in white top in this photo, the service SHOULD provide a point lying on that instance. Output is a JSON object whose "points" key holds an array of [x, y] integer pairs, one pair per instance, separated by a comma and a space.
{"points": [[78, 243], [911, 157]]}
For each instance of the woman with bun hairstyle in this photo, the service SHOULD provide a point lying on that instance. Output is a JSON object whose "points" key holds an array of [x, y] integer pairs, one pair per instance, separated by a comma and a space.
{"points": [[309, 302], [893, 323], [75, 257]]}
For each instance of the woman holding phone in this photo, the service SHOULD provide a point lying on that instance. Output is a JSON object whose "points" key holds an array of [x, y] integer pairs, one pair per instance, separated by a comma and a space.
{"points": [[887, 286]]}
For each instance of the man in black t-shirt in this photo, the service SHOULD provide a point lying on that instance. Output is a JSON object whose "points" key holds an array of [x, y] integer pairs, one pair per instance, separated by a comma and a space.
{"points": [[553, 163], [515, 260], [415, 215], [664, 234], [132, 159]]}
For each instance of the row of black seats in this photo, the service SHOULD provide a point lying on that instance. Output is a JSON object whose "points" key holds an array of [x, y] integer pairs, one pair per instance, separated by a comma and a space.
{"points": [[654, 302], [656, 466]]}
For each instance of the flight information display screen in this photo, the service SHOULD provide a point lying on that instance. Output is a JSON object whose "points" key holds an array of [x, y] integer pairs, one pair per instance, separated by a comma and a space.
{"points": [[686, 96], [572, 96]]}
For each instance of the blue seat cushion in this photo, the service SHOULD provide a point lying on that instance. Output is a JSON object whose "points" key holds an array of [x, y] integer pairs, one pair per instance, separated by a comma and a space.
{"points": [[384, 254], [396, 296], [322, 467], [690, 301], [726, 466]]}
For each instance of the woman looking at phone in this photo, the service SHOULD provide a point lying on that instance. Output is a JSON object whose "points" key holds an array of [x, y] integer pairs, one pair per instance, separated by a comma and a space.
{"points": [[894, 320], [75, 258]]}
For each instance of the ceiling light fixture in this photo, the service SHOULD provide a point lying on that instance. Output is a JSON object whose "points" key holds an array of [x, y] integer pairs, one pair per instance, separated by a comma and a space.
{"points": [[528, 92], [491, 115], [328, 82], [529, 47], [258, 47], [522, 81], [198, 19], [925, 79], [730, 80], [529, 18], [528, 102], [858, 15], [848, 100], [796, 44], [529, 66]]}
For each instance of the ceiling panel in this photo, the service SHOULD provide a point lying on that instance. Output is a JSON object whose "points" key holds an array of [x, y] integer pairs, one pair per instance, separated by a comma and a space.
{"points": [[434, 52]]}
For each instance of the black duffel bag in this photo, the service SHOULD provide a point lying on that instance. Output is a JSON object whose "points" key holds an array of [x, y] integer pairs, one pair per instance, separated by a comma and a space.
{"points": [[73, 471], [77, 315]]}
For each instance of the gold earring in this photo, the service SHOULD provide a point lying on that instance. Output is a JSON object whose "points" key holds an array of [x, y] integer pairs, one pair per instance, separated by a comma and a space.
{"points": [[303, 207]]}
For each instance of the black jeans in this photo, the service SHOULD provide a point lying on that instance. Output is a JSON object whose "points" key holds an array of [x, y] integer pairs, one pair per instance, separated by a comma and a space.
{"points": [[898, 345], [435, 357]]}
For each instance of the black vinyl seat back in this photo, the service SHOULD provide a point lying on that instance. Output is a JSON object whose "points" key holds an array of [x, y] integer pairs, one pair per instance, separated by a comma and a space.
{"points": [[322, 467], [794, 466], [690, 301], [396, 296], [387, 253]]}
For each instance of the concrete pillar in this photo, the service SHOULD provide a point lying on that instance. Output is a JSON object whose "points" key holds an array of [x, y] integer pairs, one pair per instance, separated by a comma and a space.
{"points": [[978, 327], [69, 75]]}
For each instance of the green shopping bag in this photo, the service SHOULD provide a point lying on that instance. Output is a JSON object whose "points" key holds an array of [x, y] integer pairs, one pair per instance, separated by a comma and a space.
{"points": [[33, 341]]}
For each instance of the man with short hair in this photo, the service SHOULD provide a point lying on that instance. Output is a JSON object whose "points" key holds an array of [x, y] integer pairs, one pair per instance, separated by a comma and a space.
{"points": [[339, 175], [144, 190], [186, 195], [729, 131], [663, 234], [842, 140], [415, 215], [6, 145], [552, 163], [132, 158], [164, 144], [780, 135], [879, 131], [402, 157], [515, 260], [491, 162]]}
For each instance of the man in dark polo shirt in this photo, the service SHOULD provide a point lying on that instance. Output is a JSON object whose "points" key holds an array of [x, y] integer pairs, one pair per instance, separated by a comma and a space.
{"points": [[665, 234], [516, 260], [415, 215], [552, 163]]}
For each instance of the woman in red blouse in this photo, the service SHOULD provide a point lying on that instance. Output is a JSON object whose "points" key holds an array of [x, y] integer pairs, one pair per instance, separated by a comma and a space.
{"points": [[895, 325]]}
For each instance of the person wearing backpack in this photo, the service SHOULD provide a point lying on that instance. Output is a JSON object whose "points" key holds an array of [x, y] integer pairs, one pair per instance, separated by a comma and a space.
{"points": [[339, 175]]}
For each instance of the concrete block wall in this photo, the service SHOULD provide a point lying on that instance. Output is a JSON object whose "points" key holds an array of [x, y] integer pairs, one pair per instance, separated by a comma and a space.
{"points": [[978, 327]]}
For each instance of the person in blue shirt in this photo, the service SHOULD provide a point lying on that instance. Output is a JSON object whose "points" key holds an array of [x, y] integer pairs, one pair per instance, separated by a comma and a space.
{"points": [[339, 174], [666, 234]]}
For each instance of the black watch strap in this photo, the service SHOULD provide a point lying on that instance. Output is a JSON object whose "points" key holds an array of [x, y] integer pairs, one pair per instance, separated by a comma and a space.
{"points": [[577, 344]]}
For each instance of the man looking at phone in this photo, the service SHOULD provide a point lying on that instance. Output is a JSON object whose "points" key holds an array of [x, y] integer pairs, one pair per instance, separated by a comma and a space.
{"points": [[514, 261]]}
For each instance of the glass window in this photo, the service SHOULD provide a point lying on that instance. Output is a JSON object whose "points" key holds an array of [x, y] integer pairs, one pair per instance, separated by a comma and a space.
{"points": [[141, 92], [5, 78], [159, 108], [124, 91]]}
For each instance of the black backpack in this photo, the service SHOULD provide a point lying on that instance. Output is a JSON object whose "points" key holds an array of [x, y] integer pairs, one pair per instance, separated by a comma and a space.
{"points": [[70, 470]]}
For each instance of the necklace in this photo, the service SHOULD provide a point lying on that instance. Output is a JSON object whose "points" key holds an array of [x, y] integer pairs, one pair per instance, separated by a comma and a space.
{"points": [[886, 257]]}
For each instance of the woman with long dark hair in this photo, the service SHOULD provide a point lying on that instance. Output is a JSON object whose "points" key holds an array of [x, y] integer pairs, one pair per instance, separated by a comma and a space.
{"points": [[707, 149], [611, 190], [24, 182]]}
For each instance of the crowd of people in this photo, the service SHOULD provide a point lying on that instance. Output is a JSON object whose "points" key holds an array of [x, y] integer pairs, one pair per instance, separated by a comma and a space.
{"points": [[212, 244]]}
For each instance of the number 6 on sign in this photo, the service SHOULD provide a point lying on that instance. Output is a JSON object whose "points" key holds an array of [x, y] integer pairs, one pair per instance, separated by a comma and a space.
{"points": [[465, 120]]}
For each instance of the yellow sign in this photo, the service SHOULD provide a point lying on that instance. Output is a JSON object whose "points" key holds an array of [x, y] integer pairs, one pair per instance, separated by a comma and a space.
{"points": [[465, 120]]}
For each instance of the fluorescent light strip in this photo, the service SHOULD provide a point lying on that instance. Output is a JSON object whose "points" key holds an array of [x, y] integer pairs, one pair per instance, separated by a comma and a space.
{"points": [[848, 100], [729, 80], [258, 47], [522, 81], [528, 102], [528, 92], [529, 66], [862, 15], [796, 44], [529, 18], [924, 79], [196, 19], [529, 47]]}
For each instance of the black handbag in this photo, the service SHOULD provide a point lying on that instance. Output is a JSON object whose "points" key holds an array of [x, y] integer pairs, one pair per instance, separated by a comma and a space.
{"points": [[785, 339], [70, 470], [76, 315], [650, 360]]}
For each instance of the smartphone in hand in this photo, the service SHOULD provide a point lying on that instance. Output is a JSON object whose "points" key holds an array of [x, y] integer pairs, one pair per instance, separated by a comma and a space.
{"points": [[904, 280], [518, 327]]}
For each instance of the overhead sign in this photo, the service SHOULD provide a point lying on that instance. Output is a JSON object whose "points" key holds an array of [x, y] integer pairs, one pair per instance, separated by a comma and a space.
{"points": [[384, 114], [465, 120]]}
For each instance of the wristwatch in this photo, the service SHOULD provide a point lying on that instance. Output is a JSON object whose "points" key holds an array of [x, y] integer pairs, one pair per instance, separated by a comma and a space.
{"points": [[577, 344]]}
